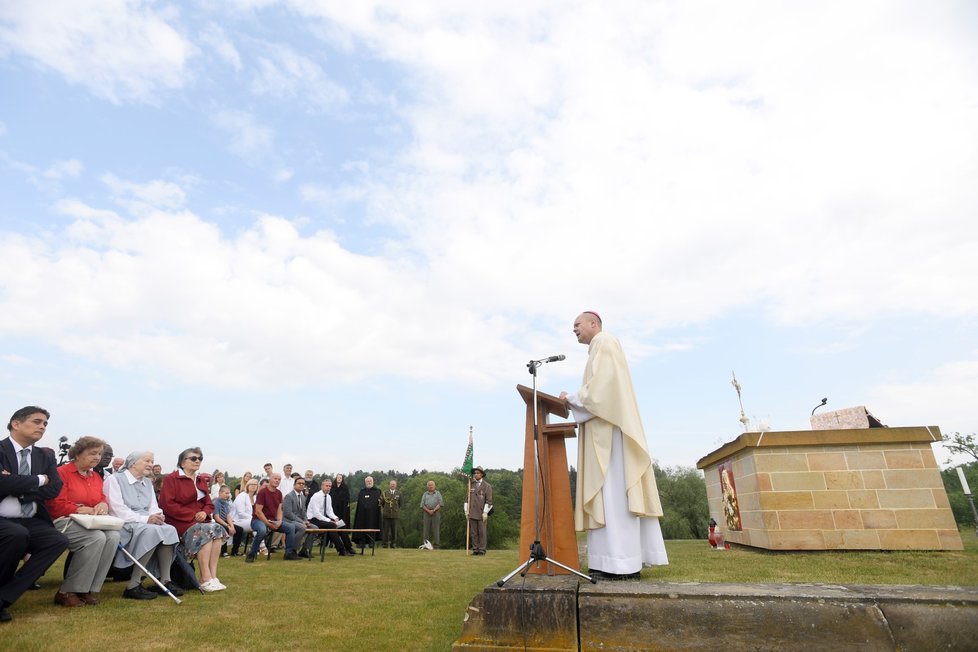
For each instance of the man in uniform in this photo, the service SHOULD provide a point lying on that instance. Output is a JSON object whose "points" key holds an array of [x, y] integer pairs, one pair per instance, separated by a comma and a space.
{"points": [[390, 510], [477, 510]]}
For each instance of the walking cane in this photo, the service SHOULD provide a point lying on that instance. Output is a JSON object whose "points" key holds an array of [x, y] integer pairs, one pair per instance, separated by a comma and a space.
{"points": [[150, 575]]}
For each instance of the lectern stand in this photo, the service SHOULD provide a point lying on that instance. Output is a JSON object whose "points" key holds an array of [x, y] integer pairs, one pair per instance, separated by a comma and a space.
{"points": [[553, 484]]}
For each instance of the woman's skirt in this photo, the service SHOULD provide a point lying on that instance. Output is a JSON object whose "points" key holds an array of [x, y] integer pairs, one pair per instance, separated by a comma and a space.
{"points": [[140, 538], [197, 536]]}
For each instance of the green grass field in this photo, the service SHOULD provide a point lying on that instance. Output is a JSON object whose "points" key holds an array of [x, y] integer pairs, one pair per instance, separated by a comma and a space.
{"points": [[403, 599]]}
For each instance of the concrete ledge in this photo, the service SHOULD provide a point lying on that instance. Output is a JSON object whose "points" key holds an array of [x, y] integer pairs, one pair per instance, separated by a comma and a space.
{"points": [[538, 613], [702, 616]]}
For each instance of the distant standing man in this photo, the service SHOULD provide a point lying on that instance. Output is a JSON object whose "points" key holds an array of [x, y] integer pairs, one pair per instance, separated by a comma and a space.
{"points": [[617, 500], [431, 504], [368, 512], [28, 477], [477, 510], [390, 511]]}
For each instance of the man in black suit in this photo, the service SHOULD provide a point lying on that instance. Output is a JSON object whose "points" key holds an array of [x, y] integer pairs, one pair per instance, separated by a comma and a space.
{"points": [[28, 477]]}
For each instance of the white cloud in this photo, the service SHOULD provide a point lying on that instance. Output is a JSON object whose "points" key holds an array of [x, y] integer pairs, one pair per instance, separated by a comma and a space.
{"points": [[167, 291], [122, 51], [708, 158], [61, 169], [944, 397], [284, 75], [218, 40], [153, 195], [250, 140]]}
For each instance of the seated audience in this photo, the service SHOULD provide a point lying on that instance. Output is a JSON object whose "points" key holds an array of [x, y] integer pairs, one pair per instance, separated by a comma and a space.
{"points": [[320, 513], [217, 479], [222, 514], [82, 493], [244, 483], [188, 507], [145, 534], [242, 513], [28, 477], [294, 512], [268, 517]]}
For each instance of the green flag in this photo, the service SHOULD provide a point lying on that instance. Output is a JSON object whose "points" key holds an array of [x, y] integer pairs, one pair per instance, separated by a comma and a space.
{"points": [[467, 464]]}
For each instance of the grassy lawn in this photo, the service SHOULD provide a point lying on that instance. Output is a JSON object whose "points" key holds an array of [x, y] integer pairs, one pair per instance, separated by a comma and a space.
{"points": [[403, 599]]}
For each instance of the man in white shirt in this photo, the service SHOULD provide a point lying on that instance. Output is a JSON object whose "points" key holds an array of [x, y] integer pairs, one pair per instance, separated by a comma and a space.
{"points": [[320, 514]]}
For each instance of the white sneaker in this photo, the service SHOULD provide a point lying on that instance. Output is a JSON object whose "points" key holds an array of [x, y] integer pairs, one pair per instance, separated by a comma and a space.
{"points": [[212, 585], [219, 583]]}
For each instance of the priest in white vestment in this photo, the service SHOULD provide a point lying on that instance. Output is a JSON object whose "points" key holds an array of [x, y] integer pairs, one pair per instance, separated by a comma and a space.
{"points": [[617, 501]]}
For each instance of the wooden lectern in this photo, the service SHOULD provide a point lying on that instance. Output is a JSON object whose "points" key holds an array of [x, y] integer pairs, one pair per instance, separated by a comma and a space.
{"points": [[556, 511]]}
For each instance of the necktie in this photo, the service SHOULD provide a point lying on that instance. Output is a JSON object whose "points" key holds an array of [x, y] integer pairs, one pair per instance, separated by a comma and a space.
{"points": [[28, 508]]}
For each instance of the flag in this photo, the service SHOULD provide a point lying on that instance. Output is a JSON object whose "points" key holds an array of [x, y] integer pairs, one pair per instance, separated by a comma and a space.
{"points": [[467, 464]]}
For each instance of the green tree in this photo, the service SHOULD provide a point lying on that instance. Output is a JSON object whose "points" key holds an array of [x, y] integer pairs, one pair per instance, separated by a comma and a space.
{"points": [[963, 444], [963, 515], [686, 513]]}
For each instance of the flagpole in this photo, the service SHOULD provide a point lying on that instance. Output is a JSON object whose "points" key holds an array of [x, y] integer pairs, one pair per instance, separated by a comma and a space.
{"points": [[467, 524]]}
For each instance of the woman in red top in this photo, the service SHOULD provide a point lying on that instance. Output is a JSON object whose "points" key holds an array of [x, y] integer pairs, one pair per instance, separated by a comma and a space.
{"points": [[187, 506], [93, 550]]}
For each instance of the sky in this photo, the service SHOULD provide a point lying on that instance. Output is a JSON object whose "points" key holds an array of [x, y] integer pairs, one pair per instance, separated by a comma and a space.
{"points": [[334, 234]]}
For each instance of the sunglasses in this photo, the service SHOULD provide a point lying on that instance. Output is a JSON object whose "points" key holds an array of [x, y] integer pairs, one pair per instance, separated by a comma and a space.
{"points": [[194, 458]]}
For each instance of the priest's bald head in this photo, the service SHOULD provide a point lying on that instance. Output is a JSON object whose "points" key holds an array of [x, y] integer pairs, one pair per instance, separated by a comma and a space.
{"points": [[586, 326]]}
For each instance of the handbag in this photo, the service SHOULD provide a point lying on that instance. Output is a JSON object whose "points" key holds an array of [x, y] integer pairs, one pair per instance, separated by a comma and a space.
{"points": [[97, 521]]}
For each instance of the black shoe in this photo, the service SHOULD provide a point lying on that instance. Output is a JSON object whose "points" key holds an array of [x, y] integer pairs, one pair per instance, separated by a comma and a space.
{"points": [[305, 554], [34, 587], [139, 593], [173, 588], [5, 616], [351, 552], [249, 558], [290, 556]]}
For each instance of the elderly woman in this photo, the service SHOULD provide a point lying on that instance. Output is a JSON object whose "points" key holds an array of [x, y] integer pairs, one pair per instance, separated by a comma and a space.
{"points": [[93, 550], [145, 534], [188, 507], [242, 512]]}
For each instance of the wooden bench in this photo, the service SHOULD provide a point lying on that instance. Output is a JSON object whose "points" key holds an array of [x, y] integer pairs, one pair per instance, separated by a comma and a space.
{"points": [[324, 539]]}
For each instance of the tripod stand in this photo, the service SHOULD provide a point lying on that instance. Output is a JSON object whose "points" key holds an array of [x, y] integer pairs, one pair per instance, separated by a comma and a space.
{"points": [[537, 552]]}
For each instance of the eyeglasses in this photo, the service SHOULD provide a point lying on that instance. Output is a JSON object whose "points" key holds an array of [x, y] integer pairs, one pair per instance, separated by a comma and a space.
{"points": [[194, 458]]}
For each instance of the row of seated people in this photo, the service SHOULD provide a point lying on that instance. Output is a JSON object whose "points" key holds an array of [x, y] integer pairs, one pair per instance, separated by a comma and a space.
{"points": [[41, 502]]}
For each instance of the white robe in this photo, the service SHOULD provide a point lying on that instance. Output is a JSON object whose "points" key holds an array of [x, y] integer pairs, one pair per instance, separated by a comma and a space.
{"points": [[621, 518]]}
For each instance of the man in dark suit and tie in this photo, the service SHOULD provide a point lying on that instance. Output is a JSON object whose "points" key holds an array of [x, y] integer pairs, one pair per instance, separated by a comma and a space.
{"points": [[294, 512], [28, 477]]}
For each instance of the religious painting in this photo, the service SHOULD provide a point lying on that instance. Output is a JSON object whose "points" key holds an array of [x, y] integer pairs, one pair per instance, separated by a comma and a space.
{"points": [[728, 496]]}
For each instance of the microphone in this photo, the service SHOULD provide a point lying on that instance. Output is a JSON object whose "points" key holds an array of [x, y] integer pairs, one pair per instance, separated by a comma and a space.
{"points": [[554, 358]]}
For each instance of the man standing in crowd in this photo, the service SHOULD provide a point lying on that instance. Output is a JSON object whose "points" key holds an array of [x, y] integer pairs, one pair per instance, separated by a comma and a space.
{"points": [[268, 509], [431, 504], [368, 511], [390, 509], [294, 512], [28, 477], [311, 485], [617, 500], [287, 480], [477, 510], [268, 472], [320, 513]]}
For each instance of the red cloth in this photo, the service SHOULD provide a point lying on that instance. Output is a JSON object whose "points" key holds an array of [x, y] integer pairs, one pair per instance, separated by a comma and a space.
{"points": [[179, 502], [270, 502], [76, 490]]}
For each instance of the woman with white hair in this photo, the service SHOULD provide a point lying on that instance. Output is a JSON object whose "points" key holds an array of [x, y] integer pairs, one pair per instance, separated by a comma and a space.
{"points": [[145, 534]]}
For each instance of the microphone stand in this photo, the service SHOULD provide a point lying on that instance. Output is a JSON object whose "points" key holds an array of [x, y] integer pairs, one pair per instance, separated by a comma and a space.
{"points": [[537, 553]]}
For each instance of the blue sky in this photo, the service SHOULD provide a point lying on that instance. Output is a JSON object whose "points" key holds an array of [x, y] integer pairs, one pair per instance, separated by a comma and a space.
{"points": [[334, 235]]}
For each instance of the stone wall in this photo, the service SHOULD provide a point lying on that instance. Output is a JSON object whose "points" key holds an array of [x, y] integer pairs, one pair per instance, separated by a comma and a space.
{"points": [[869, 489]]}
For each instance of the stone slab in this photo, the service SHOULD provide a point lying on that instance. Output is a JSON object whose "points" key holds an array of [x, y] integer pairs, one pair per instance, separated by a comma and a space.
{"points": [[561, 613]]}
